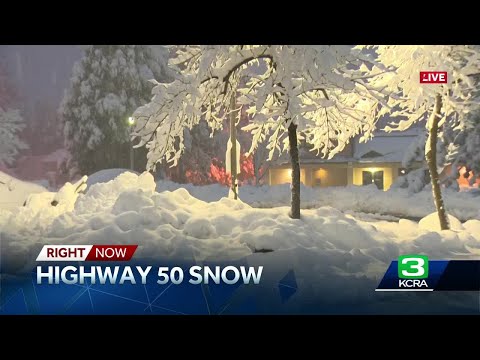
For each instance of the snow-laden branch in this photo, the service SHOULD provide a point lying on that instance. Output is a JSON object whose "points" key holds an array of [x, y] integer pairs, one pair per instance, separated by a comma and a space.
{"points": [[413, 99], [324, 90]]}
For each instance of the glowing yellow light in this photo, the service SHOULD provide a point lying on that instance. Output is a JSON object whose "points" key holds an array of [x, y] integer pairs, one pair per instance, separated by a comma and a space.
{"points": [[290, 172], [131, 120]]}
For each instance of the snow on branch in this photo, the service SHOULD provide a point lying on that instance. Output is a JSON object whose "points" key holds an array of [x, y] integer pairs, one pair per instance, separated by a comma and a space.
{"points": [[413, 100], [325, 90]]}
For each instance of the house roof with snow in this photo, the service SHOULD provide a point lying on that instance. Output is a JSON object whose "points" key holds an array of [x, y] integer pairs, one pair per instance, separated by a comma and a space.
{"points": [[382, 148], [385, 147]]}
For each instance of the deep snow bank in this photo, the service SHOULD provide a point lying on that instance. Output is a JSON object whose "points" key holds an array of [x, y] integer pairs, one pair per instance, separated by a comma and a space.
{"points": [[106, 175], [14, 192], [174, 224], [398, 202]]}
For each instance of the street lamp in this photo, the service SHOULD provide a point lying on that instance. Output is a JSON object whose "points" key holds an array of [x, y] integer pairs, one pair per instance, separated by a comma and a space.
{"points": [[131, 123]]}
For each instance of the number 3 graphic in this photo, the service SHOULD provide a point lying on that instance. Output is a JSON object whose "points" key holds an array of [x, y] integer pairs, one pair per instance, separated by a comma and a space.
{"points": [[418, 265]]}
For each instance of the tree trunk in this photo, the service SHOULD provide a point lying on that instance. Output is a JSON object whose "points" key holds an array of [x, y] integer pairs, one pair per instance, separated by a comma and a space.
{"points": [[256, 168], [182, 179], [431, 157], [132, 156], [233, 153], [295, 204]]}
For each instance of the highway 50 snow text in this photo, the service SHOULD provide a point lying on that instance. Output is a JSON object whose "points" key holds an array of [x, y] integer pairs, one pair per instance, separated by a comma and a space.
{"points": [[138, 274]]}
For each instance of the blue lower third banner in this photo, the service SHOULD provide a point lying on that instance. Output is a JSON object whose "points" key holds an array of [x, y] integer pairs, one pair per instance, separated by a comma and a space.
{"points": [[417, 273], [254, 285], [133, 288]]}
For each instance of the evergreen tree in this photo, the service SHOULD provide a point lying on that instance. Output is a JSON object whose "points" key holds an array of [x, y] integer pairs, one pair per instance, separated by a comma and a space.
{"points": [[11, 121], [107, 85]]}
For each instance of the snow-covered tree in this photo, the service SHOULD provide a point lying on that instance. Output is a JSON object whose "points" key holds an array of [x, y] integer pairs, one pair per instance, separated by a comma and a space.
{"points": [[107, 85], [200, 149], [316, 93], [441, 104], [11, 123], [203, 160], [417, 177]]}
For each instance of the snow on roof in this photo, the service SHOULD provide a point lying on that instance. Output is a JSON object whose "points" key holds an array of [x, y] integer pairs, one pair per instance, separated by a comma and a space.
{"points": [[383, 148], [386, 147]]}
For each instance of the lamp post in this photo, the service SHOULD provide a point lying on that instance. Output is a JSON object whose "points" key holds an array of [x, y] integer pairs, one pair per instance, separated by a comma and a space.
{"points": [[131, 123]]}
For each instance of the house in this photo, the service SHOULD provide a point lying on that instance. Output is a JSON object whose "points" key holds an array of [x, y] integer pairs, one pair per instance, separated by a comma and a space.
{"points": [[377, 161]]}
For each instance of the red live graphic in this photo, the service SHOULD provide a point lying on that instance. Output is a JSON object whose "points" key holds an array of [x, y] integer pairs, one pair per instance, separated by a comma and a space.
{"points": [[433, 77], [86, 252]]}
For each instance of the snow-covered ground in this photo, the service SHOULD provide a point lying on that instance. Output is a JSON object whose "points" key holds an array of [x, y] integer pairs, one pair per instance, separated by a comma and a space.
{"points": [[324, 244], [14, 192], [463, 205], [172, 224]]}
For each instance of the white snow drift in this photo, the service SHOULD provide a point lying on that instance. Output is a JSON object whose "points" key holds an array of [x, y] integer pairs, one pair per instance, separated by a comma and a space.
{"points": [[396, 202], [14, 192], [176, 225]]}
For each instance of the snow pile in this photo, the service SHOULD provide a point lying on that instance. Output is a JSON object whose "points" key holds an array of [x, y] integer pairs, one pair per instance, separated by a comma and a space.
{"points": [[175, 225], [42, 208], [106, 175], [14, 192], [432, 223], [56, 203], [103, 196], [473, 227], [397, 202]]}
